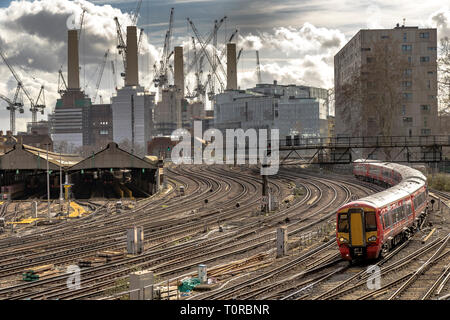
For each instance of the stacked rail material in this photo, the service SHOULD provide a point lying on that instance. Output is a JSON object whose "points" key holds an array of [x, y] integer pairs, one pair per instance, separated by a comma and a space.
{"points": [[235, 267], [110, 255], [91, 262], [38, 273]]}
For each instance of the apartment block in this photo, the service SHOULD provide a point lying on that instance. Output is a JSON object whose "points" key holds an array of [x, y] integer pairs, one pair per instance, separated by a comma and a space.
{"points": [[386, 83]]}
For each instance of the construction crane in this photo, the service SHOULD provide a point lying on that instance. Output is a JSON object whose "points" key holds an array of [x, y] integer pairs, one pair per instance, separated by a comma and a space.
{"points": [[258, 67], [161, 79], [81, 24], [99, 79], [136, 13], [211, 61], [13, 105], [33, 108], [62, 85], [113, 70], [121, 46], [207, 41], [140, 40]]}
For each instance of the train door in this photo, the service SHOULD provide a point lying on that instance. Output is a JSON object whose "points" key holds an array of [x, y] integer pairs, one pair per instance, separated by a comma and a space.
{"points": [[356, 227]]}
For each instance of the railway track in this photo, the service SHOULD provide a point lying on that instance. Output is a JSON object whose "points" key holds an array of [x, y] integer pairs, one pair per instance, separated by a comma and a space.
{"points": [[166, 222]]}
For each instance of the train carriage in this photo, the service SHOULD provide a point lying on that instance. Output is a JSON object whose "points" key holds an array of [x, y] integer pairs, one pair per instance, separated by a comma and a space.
{"points": [[371, 226]]}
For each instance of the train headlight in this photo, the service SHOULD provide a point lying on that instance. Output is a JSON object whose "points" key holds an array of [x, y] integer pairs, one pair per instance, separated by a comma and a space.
{"points": [[343, 240], [372, 239]]}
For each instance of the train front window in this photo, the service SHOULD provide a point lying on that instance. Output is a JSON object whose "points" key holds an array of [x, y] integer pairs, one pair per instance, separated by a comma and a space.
{"points": [[343, 223], [370, 221]]}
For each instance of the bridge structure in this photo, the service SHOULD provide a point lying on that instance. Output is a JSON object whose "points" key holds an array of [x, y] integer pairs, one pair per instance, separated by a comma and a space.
{"points": [[342, 150]]}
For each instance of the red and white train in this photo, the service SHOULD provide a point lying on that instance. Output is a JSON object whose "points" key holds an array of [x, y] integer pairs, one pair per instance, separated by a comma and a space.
{"points": [[371, 226]]}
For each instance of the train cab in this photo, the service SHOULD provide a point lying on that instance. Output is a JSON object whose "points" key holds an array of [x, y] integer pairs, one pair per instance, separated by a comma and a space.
{"points": [[358, 232]]}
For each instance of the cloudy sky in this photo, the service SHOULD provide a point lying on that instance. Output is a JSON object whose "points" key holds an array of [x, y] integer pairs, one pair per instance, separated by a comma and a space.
{"points": [[297, 39]]}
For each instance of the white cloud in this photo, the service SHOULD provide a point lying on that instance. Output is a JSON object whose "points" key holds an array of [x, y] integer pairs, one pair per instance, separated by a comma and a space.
{"points": [[34, 38], [309, 51]]}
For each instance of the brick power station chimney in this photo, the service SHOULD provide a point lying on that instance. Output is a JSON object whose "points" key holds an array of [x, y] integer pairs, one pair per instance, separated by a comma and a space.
{"points": [[132, 74], [179, 71], [73, 66], [231, 67]]}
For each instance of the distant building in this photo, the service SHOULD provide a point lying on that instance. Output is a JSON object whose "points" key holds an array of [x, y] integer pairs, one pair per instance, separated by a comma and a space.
{"points": [[165, 115], [294, 110], [386, 83], [40, 141], [70, 119], [40, 127], [132, 108], [100, 125], [7, 142], [161, 147]]}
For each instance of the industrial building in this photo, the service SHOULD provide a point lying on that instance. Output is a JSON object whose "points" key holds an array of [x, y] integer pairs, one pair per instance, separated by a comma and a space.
{"points": [[399, 100], [294, 110], [132, 106], [71, 111]]}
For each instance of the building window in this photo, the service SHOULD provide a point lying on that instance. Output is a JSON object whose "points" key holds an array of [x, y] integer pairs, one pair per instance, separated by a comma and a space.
{"points": [[403, 110], [424, 59], [407, 96], [425, 132], [429, 84], [365, 49], [409, 59], [404, 36], [432, 48], [384, 37], [408, 119], [425, 107], [407, 72], [430, 72], [103, 132], [369, 59], [424, 35], [431, 97], [406, 84], [406, 47], [425, 120]]}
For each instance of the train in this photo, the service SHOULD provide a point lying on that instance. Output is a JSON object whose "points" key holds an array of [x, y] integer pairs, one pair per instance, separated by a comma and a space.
{"points": [[13, 191], [370, 227]]}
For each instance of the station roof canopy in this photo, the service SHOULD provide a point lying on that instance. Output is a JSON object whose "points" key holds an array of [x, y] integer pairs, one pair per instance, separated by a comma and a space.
{"points": [[113, 157], [24, 157]]}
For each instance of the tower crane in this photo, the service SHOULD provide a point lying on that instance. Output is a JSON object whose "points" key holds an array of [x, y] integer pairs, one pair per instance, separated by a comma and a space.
{"points": [[207, 41], [13, 105], [113, 70], [140, 40], [136, 13], [161, 79], [81, 24], [258, 67], [102, 68], [62, 85], [206, 53], [34, 108], [121, 46]]}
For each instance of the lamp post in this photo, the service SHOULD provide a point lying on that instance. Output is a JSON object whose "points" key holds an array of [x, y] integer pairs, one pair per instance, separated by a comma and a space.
{"points": [[48, 185], [60, 183]]}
